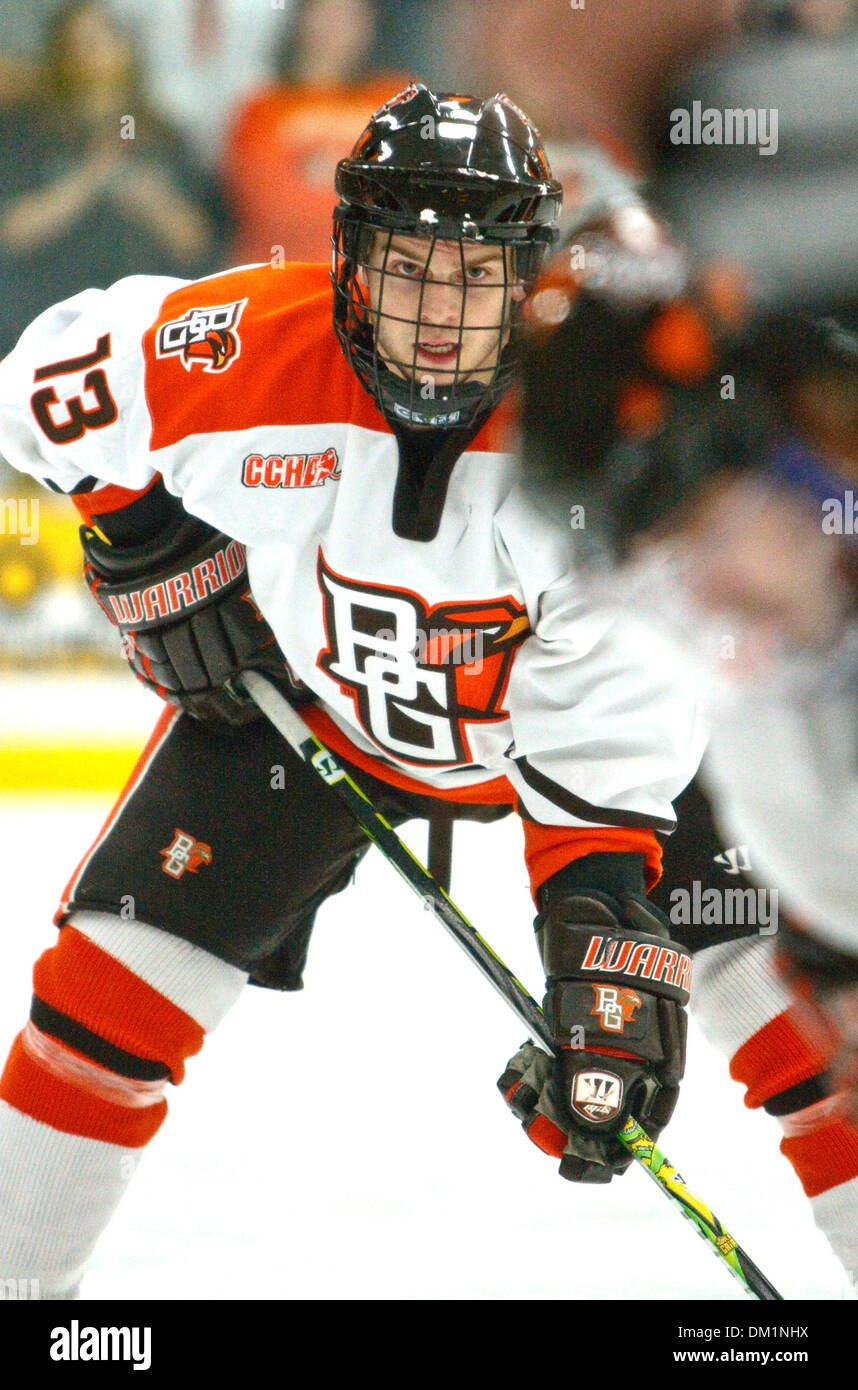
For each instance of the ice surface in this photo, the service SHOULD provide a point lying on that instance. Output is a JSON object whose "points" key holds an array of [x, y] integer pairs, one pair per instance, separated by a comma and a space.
{"points": [[349, 1143]]}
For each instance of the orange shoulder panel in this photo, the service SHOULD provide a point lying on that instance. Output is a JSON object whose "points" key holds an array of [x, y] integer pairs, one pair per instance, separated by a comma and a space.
{"points": [[254, 346], [497, 433]]}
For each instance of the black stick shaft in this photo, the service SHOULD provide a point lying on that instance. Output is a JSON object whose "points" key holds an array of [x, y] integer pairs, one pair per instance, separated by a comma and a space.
{"points": [[440, 863], [512, 991]]}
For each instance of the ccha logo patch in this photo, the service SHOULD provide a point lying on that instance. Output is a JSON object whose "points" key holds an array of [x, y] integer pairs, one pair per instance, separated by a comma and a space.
{"points": [[290, 470]]}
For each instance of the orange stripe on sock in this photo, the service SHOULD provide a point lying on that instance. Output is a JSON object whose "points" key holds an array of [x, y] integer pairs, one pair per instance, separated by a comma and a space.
{"points": [[81, 980], [779, 1055], [28, 1087], [824, 1158]]}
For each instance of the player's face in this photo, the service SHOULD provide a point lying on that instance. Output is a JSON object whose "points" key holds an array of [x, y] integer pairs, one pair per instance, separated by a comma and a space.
{"points": [[441, 309]]}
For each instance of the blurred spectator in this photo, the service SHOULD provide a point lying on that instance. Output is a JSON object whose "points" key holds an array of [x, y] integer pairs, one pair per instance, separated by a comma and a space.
{"points": [[286, 141], [576, 68], [821, 19], [94, 185], [201, 57], [22, 29], [825, 19], [409, 40]]}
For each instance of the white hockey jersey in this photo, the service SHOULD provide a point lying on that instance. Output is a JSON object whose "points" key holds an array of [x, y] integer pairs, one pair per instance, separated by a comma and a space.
{"points": [[467, 666], [782, 768]]}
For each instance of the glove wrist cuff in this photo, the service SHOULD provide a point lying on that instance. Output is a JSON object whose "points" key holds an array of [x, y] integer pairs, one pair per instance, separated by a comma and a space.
{"points": [[182, 534], [195, 578]]}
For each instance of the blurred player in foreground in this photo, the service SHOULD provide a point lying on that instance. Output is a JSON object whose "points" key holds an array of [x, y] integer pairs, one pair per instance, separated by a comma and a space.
{"points": [[718, 481], [343, 451]]}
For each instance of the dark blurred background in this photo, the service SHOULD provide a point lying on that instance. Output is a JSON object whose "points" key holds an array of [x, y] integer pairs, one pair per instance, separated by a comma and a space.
{"points": [[178, 137]]}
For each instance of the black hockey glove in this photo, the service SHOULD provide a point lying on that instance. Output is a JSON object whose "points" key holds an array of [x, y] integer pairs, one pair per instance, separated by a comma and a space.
{"points": [[615, 1003], [187, 617]]}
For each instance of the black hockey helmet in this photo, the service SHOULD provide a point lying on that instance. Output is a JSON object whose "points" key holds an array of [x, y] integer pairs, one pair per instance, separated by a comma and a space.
{"points": [[451, 170]]}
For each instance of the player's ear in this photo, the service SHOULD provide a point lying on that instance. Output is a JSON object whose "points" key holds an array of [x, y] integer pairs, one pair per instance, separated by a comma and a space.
{"points": [[517, 291], [368, 260], [371, 246]]}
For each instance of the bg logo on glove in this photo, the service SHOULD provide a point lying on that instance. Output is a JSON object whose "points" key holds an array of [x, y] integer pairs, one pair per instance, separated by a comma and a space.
{"points": [[615, 1007], [597, 1095]]}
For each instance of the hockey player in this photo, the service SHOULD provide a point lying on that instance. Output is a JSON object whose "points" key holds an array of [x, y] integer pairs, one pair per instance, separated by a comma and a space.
{"points": [[719, 414], [337, 506]]}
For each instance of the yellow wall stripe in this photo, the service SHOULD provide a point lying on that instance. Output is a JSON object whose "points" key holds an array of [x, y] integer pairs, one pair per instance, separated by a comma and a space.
{"points": [[66, 767]]}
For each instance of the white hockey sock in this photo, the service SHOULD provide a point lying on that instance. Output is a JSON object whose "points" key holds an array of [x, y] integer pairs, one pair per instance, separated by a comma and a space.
{"points": [[57, 1193], [836, 1213], [59, 1189], [745, 1010]]}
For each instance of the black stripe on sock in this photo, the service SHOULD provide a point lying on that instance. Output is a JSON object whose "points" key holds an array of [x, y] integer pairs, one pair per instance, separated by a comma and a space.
{"points": [[800, 1096], [67, 1030]]}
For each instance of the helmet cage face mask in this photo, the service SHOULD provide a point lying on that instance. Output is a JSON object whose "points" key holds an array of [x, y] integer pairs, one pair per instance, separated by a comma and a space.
{"points": [[447, 200], [382, 318]]}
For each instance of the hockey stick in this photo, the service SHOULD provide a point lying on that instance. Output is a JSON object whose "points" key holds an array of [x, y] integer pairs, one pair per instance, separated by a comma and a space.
{"points": [[313, 752], [440, 851]]}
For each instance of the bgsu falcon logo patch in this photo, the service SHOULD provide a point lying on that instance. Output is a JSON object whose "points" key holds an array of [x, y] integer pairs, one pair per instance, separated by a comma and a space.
{"points": [[597, 1095], [184, 853], [206, 335], [615, 1007]]}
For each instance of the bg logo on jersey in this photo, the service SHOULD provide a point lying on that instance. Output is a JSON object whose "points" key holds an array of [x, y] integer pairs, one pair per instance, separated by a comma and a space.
{"points": [[413, 697], [207, 335]]}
